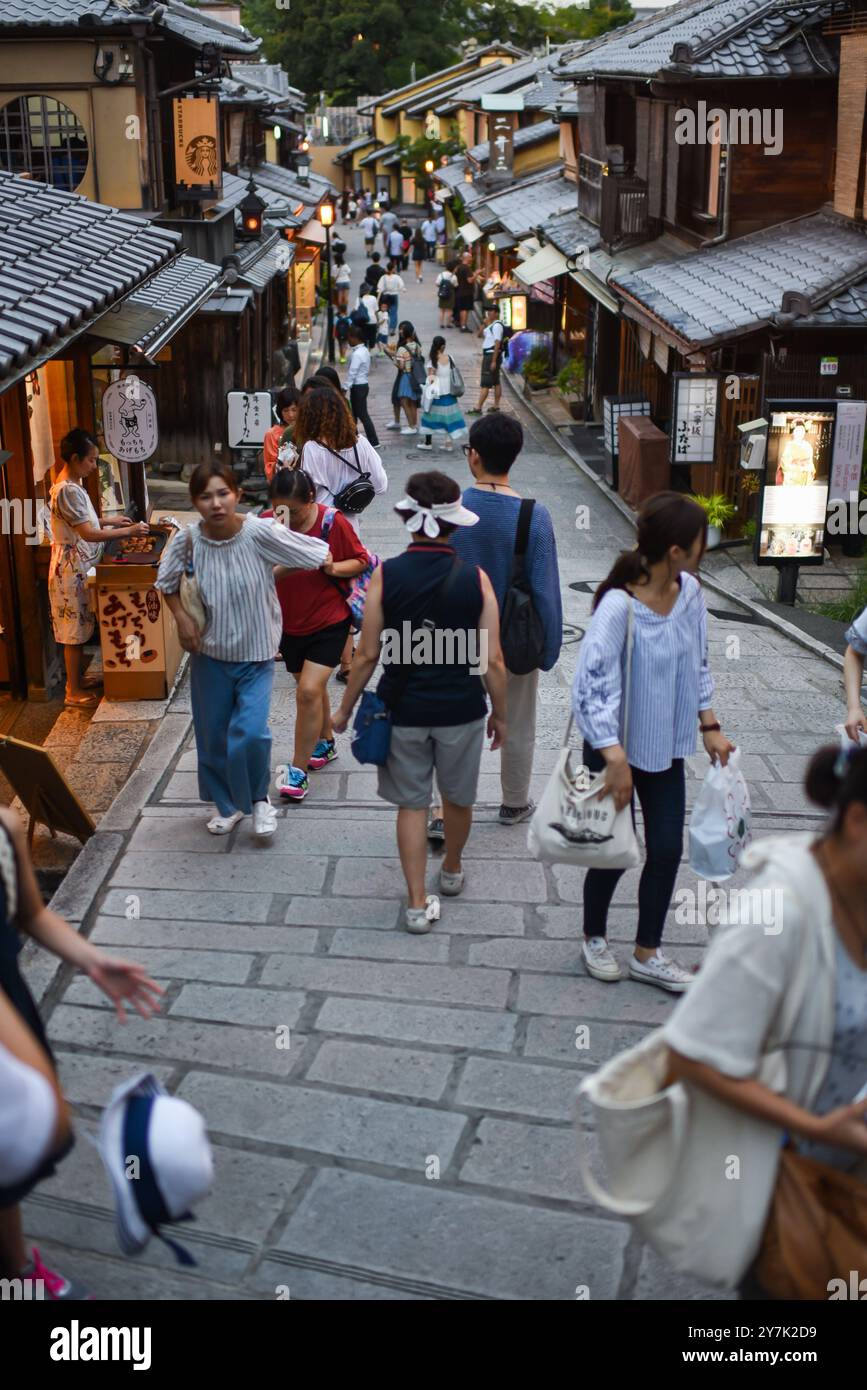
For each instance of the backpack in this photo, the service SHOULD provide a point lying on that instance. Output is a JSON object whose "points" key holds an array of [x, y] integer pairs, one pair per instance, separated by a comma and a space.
{"points": [[522, 634], [356, 595], [359, 317], [444, 286]]}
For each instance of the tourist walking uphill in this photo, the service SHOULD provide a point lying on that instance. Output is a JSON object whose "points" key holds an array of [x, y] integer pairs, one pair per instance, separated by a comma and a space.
{"points": [[442, 414], [233, 632], [77, 536], [437, 708], [316, 621], [652, 600]]}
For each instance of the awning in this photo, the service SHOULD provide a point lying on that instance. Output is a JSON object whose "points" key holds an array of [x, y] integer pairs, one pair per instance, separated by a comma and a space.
{"points": [[260, 272], [233, 301], [470, 232], [596, 290], [501, 241], [528, 247], [312, 231], [152, 315], [544, 265]]}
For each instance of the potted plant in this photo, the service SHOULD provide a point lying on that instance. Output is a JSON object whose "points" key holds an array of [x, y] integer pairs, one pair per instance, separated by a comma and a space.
{"points": [[537, 369], [570, 382], [719, 511]]}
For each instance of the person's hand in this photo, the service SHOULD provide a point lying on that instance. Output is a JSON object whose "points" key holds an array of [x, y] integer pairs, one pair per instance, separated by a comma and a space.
{"points": [[496, 731], [617, 783], [716, 745], [340, 720], [327, 565], [121, 980], [856, 723], [188, 633], [139, 528], [845, 1127]]}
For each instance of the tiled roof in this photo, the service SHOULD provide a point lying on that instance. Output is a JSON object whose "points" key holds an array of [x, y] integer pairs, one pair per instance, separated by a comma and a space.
{"points": [[569, 230], [732, 289], [359, 143], [713, 38], [527, 203], [279, 207], [494, 77], [416, 106], [63, 262], [545, 92], [273, 78], [382, 153], [261, 260], [524, 139], [466, 64], [95, 16], [285, 181], [452, 175], [180, 290]]}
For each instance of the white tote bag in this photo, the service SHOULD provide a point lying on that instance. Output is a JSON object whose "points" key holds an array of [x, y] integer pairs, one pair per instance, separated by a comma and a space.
{"points": [[571, 825], [694, 1175], [720, 827]]}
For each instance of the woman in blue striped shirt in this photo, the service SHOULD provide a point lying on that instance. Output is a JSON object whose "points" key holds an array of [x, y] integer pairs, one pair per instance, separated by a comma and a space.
{"points": [[670, 691]]}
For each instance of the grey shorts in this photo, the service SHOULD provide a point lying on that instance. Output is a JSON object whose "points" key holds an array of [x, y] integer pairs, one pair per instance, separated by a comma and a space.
{"points": [[454, 750]]}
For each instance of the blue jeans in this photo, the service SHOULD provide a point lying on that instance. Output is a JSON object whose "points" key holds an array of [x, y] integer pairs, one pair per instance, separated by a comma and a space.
{"points": [[393, 307], [231, 702], [663, 804]]}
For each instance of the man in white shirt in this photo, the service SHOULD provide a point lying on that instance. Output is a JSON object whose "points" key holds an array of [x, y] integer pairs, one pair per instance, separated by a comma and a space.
{"points": [[369, 302], [369, 227], [358, 384], [388, 222], [395, 247], [429, 232], [491, 333]]}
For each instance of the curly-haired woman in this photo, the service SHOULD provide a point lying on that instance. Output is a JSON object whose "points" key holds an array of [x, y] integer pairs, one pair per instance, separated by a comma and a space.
{"points": [[331, 449]]}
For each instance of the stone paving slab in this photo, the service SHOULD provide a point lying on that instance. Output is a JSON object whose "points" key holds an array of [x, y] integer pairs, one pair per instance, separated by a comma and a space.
{"points": [[488, 1031], [168, 963], [90, 1080], [369, 1067], [241, 1049], [392, 945], [252, 1008], [178, 904], [476, 1244], [581, 998], [438, 984], [490, 880], [212, 936], [538, 1159], [240, 872], [327, 1122], [518, 1087]]}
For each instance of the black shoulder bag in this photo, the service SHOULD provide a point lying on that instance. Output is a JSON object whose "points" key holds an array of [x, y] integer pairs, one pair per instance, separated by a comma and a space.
{"points": [[358, 494], [522, 635]]}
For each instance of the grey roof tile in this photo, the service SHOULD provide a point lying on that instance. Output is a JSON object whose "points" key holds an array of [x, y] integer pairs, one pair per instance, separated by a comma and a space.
{"points": [[63, 261], [729, 290], [184, 21], [527, 203], [526, 137]]}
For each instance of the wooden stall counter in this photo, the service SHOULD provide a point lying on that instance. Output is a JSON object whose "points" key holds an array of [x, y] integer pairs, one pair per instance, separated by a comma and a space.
{"points": [[141, 652]]}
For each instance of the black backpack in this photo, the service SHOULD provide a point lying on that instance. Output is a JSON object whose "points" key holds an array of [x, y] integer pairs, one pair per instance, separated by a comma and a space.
{"points": [[521, 632], [355, 496]]}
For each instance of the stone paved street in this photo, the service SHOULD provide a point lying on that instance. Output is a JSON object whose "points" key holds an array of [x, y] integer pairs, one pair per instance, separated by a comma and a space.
{"points": [[415, 1140]]}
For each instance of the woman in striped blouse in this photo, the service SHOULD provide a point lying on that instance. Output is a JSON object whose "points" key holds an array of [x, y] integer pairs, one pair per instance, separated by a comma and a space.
{"points": [[233, 559], [670, 691]]}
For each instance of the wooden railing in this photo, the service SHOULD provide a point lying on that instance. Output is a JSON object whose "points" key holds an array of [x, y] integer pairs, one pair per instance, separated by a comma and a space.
{"points": [[590, 176], [624, 217]]}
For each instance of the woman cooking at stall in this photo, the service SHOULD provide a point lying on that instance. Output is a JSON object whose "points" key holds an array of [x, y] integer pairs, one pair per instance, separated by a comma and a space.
{"points": [[77, 536]]}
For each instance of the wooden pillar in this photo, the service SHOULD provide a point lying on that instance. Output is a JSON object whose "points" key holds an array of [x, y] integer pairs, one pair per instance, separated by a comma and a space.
{"points": [[19, 475], [84, 412]]}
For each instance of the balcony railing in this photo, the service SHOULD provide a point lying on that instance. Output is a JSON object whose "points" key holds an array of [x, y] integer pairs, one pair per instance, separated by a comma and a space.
{"points": [[590, 176], [624, 218]]}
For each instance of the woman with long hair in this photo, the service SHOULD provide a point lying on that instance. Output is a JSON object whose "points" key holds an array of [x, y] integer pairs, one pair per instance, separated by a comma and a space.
{"points": [[405, 392], [232, 559], [653, 590], [808, 923], [443, 414], [447, 283], [316, 621], [331, 451], [419, 254], [77, 537]]}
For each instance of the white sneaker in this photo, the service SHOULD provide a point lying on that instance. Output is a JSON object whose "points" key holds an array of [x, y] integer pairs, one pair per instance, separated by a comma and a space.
{"points": [[424, 446], [221, 825], [660, 971], [264, 819], [419, 920], [407, 430], [598, 959]]}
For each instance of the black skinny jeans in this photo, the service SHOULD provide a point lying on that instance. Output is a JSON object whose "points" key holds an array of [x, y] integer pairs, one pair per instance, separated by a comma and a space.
{"points": [[663, 803], [358, 401]]}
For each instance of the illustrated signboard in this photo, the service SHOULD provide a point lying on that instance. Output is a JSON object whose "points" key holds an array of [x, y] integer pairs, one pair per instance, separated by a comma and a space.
{"points": [[249, 417], [129, 420], [797, 477], [693, 431], [197, 145]]}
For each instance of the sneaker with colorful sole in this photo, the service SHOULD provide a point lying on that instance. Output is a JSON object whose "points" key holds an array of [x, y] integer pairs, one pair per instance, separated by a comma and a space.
{"points": [[292, 783], [55, 1286], [323, 754]]}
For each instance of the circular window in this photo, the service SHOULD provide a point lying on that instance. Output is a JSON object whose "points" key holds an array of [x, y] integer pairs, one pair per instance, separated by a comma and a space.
{"points": [[42, 137]]}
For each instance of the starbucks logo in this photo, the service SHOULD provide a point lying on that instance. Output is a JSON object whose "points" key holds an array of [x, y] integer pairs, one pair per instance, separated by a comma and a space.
{"points": [[201, 156]]}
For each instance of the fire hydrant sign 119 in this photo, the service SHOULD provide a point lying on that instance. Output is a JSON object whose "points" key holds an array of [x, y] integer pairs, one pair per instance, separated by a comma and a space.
{"points": [[129, 420]]}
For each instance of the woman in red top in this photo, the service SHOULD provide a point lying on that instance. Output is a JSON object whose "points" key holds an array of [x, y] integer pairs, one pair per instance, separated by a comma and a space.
{"points": [[316, 621], [286, 407]]}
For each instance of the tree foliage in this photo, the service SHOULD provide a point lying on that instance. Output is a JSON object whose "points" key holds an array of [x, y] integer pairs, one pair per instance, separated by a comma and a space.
{"points": [[352, 48], [414, 154]]}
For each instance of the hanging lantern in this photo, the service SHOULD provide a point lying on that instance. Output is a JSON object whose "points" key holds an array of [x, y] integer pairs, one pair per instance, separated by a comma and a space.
{"points": [[252, 210]]}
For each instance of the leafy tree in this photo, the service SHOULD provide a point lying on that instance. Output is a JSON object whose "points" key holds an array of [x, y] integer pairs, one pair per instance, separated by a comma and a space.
{"points": [[351, 48], [529, 26], [414, 154]]}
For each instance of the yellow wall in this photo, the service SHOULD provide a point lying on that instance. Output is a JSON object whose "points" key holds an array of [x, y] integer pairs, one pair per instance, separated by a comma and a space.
{"points": [[116, 163], [537, 156], [322, 162]]}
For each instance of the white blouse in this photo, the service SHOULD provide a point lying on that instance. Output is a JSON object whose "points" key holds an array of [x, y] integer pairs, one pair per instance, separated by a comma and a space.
{"points": [[236, 581]]}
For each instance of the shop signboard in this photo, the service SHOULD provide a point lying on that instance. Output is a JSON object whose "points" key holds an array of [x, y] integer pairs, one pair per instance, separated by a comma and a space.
{"points": [[249, 417], [848, 450], [694, 422], [197, 146], [797, 476], [129, 420]]}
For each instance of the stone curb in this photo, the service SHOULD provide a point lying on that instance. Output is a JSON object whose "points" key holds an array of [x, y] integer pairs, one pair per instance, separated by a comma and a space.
{"points": [[767, 615]]}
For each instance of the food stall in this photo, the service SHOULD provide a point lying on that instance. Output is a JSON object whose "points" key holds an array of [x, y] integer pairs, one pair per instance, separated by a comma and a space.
{"points": [[138, 635]]}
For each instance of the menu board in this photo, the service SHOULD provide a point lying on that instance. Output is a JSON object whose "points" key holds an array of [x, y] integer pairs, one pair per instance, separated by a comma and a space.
{"points": [[693, 432], [797, 476]]}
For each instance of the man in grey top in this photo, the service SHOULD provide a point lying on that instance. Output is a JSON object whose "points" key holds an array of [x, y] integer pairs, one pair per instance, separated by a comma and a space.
{"points": [[388, 222]]}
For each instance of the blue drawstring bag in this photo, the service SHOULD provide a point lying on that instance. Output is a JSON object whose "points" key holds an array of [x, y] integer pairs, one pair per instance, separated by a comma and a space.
{"points": [[371, 732]]}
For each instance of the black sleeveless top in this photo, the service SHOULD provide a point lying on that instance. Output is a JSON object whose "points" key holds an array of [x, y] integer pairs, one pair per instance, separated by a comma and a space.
{"points": [[441, 689]]}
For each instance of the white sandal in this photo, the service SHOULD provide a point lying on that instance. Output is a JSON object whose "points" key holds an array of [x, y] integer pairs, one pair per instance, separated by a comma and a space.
{"points": [[221, 825], [420, 919]]}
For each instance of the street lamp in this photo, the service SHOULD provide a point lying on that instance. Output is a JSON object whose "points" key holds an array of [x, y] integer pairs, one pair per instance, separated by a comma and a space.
{"points": [[302, 167], [326, 217], [252, 209]]}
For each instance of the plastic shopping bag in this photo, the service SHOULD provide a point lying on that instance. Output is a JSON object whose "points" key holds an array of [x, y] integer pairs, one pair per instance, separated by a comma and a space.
{"points": [[720, 826]]}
